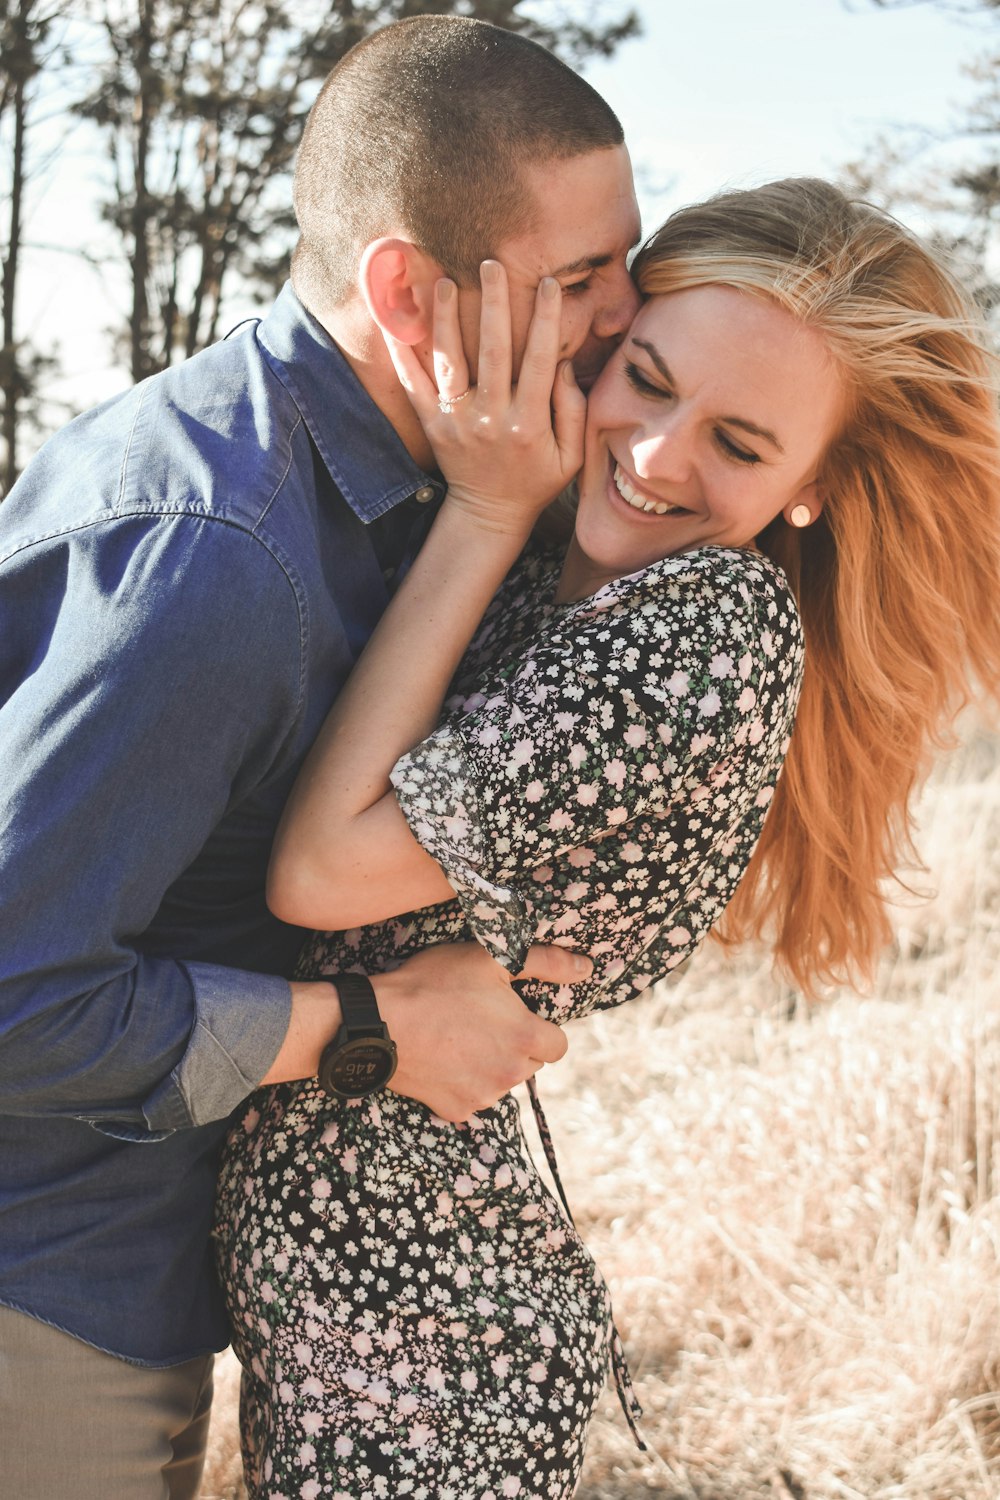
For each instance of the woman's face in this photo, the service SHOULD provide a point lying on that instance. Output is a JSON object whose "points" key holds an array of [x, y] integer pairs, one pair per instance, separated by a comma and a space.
{"points": [[711, 419]]}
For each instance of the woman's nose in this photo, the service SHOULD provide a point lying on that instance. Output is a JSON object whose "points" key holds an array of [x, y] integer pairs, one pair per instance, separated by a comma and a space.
{"points": [[664, 452]]}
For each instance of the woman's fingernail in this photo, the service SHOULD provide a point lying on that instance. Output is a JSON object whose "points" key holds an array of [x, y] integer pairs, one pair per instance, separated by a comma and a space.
{"points": [[489, 272], [548, 287], [582, 965], [444, 290], [568, 372]]}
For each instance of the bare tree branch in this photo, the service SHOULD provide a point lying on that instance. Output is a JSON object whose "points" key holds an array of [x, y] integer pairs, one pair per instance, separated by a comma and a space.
{"points": [[30, 38], [202, 103]]}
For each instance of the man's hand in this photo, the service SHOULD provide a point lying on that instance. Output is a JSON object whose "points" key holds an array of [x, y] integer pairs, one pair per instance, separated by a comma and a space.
{"points": [[463, 1036]]}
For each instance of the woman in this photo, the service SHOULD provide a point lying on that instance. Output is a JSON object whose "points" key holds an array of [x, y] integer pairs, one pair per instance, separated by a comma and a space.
{"points": [[800, 414]]}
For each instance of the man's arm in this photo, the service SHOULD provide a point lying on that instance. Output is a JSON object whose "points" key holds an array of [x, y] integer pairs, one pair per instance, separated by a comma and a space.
{"points": [[151, 670], [463, 1036], [130, 724]]}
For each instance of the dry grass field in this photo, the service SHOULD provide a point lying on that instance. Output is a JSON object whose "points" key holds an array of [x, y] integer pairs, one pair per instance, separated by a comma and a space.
{"points": [[799, 1212]]}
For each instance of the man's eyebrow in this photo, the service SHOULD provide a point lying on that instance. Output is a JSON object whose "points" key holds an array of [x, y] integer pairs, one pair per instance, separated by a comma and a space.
{"points": [[594, 262], [741, 422], [585, 263]]}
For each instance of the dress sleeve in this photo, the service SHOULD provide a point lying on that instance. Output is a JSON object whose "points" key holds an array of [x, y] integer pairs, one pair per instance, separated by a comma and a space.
{"points": [[648, 695]]}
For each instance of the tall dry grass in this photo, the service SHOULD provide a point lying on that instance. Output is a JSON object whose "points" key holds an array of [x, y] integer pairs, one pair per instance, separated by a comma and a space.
{"points": [[799, 1212]]}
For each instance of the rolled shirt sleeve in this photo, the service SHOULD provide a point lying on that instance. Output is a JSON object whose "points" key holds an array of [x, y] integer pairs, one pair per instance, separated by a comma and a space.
{"points": [[154, 669]]}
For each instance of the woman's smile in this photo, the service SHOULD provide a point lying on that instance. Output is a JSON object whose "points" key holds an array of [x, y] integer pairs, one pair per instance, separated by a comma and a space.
{"points": [[635, 498], [710, 420]]}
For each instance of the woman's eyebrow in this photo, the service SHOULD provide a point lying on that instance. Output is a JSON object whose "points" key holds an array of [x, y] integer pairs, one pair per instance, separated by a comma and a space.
{"points": [[657, 359], [741, 422]]}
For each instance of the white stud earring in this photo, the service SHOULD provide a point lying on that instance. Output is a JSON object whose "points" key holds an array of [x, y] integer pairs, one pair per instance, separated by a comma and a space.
{"points": [[801, 515]]}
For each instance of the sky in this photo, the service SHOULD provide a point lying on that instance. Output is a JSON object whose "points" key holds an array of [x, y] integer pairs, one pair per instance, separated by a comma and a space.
{"points": [[715, 93], [734, 92]]}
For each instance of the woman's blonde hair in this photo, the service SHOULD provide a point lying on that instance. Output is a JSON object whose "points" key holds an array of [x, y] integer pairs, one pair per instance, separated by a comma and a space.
{"points": [[898, 581]]}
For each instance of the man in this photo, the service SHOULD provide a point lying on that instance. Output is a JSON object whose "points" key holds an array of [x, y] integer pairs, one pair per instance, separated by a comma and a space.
{"points": [[187, 576]]}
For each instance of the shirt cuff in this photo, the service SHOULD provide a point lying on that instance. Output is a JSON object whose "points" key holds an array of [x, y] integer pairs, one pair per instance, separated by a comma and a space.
{"points": [[435, 785], [241, 1020]]}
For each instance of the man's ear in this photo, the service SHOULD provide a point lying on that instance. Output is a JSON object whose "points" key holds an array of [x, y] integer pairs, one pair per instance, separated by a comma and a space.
{"points": [[397, 283]]}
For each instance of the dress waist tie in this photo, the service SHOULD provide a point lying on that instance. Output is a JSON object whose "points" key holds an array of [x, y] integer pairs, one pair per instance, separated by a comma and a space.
{"points": [[619, 1364]]}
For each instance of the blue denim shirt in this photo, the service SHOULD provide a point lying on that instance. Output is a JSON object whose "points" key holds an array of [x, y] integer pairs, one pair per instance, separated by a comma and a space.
{"points": [[187, 574]]}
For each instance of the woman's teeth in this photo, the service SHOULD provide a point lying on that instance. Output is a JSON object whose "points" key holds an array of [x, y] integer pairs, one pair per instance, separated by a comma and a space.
{"points": [[633, 498]]}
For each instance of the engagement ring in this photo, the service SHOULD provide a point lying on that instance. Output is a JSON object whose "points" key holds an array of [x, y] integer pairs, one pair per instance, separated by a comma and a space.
{"points": [[446, 403]]}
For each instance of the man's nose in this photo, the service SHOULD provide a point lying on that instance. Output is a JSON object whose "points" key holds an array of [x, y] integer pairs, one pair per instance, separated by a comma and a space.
{"points": [[618, 311]]}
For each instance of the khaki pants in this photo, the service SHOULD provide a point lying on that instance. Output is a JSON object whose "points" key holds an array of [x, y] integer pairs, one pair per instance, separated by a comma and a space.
{"points": [[76, 1424]]}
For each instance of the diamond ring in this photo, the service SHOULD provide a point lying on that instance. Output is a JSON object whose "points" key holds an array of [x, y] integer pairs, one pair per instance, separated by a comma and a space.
{"points": [[446, 403]]}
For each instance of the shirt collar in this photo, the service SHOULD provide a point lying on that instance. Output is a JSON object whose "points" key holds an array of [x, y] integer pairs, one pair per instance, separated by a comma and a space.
{"points": [[361, 449]]}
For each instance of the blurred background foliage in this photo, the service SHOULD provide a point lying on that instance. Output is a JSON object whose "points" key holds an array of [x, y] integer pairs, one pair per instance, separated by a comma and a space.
{"points": [[197, 106], [190, 112]]}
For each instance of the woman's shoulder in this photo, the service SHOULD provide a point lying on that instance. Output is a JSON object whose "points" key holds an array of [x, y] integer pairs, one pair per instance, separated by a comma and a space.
{"points": [[710, 586], [703, 605], [533, 580], [709, 571]]}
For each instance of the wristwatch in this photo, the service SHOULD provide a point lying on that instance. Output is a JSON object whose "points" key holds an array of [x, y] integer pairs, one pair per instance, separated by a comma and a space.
{"points": [[362, 1056]]}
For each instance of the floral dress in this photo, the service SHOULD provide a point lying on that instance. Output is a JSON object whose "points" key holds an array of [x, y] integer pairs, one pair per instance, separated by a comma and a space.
{"points": [[414, 1314]]}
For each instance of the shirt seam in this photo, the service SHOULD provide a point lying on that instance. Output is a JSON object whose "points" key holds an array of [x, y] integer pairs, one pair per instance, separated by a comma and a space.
{"points": [[164, 511], [181, 511], [287, 469], [123, 472]]}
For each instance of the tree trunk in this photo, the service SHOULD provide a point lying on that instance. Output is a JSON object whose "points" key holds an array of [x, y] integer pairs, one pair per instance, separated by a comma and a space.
{"points": [[142, 364], [10, 382]]}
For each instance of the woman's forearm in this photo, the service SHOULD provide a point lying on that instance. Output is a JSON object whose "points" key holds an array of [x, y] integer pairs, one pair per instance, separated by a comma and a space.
{"points": [[337, 814], [344, 854]]}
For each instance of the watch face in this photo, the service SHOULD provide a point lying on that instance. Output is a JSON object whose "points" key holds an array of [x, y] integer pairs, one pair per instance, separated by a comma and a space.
{"points": [[358, 1068]]}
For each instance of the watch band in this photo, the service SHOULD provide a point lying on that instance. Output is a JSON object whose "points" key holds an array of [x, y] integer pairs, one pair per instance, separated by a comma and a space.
{"points": [[358, 1005], [362, 1056]]}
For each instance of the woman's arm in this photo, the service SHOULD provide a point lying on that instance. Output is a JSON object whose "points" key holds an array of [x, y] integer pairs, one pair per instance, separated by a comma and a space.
{"points": [[608, 792], [344, 854]]}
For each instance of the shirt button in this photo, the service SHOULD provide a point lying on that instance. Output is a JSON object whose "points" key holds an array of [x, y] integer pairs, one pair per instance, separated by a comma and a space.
{"points": [[388, 573], [425, 493]]}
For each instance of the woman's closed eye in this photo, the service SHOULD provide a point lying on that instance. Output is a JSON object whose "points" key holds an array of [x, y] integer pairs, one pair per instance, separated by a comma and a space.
{"points": [[733, 450], [638, 381], [645, 387]]}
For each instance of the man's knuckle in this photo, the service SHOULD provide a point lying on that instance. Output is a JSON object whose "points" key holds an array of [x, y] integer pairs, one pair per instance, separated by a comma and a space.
{"points": [[528, 1035], [507, 1079]]}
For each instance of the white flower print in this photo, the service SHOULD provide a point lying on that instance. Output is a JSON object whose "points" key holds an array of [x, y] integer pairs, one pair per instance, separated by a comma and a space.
{"points": [[412, 1310]]}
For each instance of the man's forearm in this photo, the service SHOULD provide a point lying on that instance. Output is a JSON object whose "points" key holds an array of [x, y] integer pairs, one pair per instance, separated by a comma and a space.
{"points": [[164, 1046], [313, 1024], [463, 1035]]}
